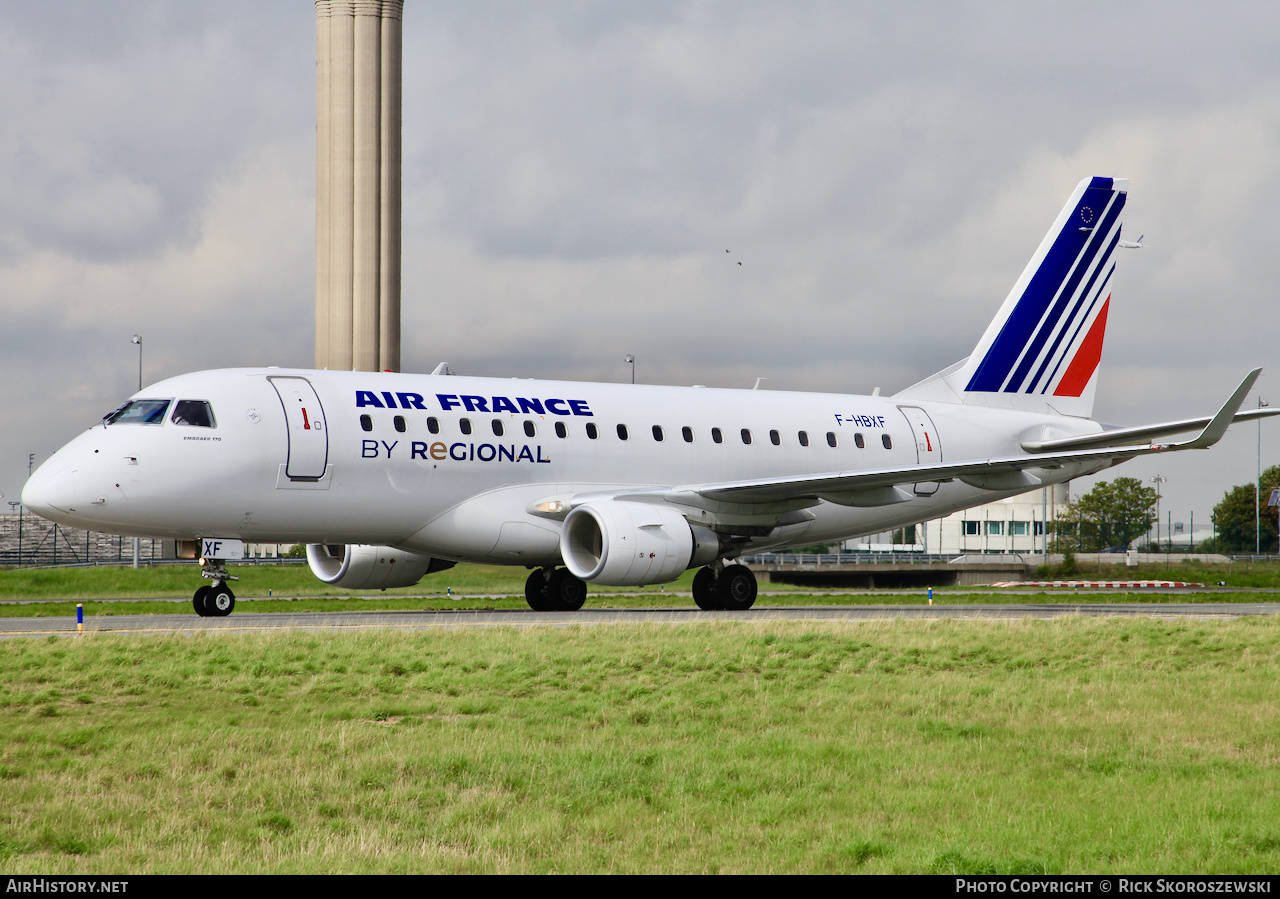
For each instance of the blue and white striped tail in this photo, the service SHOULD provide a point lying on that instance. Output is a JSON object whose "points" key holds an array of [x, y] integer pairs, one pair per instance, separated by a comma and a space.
{"points": [[1044, 346]]}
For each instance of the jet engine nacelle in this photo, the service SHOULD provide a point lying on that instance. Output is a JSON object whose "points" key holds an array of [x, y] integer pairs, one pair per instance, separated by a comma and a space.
{"points": [[625, 544], [360, 567]]}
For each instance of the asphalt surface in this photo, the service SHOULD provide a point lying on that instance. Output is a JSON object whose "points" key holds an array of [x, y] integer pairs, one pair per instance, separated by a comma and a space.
{"points": [[189, 623], [942, 592]]}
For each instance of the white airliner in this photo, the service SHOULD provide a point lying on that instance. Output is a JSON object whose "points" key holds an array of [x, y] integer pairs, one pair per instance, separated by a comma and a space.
{"points": [[389, 477]]}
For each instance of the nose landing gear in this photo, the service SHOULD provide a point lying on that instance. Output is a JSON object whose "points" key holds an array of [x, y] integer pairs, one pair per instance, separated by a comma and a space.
{"points": [[214, 600]]}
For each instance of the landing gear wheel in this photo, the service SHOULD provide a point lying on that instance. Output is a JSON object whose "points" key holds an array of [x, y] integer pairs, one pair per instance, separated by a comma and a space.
{"points": [[565, 593], [736, 588], [220, 601], [704, 590], [535, 591], [198, 601]]}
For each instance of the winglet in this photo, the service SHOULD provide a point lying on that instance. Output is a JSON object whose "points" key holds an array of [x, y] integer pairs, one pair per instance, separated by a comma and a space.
{"points": [[1214, 430]]}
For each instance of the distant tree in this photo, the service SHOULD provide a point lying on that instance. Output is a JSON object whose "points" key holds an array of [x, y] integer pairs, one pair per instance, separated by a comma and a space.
{"points": [[1234, 517], [1113, 513]]}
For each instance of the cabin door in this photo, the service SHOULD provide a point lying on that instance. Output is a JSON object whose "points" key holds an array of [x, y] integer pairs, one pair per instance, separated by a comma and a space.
{"points": [[928, 446], [308, 433]]}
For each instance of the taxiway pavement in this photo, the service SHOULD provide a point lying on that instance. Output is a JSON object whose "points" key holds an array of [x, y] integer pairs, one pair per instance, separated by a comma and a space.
{"points": [[189, 623]]}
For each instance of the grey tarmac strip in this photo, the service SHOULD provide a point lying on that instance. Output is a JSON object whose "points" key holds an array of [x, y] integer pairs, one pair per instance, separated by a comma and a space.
{"points": [[466, 618], [941, 593]]}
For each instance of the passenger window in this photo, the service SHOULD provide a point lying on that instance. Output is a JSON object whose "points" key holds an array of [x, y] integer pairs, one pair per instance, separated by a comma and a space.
{"points": [[139, 412], [497, 427], [561, 430], [687, 433], [366, 422], [831, 438], [196, 413], [775, 438], [804, 438], [887, 441], [433, 425], [592, 431], [746, 436], [398, 421], [716, 436], [464, 425], [530, 430], [622, 432], [859, 442], [657, 433]]}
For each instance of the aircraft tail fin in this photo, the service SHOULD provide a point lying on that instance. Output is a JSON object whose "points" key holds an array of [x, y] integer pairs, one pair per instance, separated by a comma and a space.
{"points": [[1043, 348]]}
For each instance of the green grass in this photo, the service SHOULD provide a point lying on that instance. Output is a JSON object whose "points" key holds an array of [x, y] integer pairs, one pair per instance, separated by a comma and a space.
{"points": [[181, 580], [1072, 745], [169, 581], [1235, 574], [295, 589]]}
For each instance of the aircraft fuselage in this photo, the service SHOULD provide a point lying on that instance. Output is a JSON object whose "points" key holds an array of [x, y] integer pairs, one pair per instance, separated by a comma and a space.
{"points": [[453, 467]]}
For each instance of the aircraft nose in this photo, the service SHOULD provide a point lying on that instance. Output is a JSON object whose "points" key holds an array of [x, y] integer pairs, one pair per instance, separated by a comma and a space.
{"points": [[50, 493]]}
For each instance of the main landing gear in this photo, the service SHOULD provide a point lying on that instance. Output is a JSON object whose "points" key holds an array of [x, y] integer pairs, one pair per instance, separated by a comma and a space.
{"points": [[729, 588], [554, 590], [214, 600]]}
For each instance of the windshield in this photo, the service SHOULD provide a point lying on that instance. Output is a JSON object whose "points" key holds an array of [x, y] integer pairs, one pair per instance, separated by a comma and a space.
{"points": [[196, 413], [139, 412]]}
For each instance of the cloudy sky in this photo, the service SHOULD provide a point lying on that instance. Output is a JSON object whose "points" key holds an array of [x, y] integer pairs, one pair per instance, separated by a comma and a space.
{"points": [[574, 172]]}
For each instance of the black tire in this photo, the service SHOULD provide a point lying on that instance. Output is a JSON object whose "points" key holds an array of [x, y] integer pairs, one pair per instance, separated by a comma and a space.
{"points": [[565, 593], [736, 588], [535, 591], [704, 590], [220, 601], [198, 601]]}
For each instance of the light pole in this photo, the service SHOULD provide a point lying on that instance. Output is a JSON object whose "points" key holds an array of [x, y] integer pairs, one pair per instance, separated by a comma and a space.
{"points": [[632, 359], [1257, 490], [1158, 480], [19, 505], [137, 338]]}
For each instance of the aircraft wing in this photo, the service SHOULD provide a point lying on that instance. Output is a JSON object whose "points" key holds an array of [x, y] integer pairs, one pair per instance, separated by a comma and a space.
{"points": [[1214, 427], [1123, 436], [882, 486]]}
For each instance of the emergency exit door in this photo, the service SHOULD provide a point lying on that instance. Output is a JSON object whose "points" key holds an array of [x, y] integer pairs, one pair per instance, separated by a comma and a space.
{"points": [[307, 430]]}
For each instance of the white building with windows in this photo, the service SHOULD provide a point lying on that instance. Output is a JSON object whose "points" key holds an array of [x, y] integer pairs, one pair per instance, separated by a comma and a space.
{"points": [[1014, 525]]}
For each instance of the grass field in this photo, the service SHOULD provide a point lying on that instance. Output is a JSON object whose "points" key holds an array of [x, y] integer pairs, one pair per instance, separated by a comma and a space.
{"points": [[1072, 745], [256, 580], [479, 584]]}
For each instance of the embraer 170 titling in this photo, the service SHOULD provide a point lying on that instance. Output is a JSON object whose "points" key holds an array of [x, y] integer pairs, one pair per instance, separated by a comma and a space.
{"points": [[389, 477]]}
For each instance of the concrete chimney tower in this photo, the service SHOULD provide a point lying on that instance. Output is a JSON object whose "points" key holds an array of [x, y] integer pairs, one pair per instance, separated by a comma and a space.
{"points": [[358, 80]]}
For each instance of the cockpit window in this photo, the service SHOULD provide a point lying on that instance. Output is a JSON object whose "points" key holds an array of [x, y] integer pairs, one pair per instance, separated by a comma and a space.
{"points": [[196, 413], [139, 412]]}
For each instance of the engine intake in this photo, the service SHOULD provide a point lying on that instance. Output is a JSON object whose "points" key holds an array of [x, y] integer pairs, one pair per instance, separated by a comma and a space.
{"points": [[362, 567], [625, 544]]}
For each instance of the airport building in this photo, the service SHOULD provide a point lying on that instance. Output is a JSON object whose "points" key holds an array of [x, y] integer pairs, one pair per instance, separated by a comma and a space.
{"points": [[1013, 525]]}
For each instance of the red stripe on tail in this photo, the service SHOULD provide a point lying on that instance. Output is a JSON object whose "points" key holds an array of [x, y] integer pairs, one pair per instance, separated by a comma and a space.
{"points": [[1087, 358]]}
